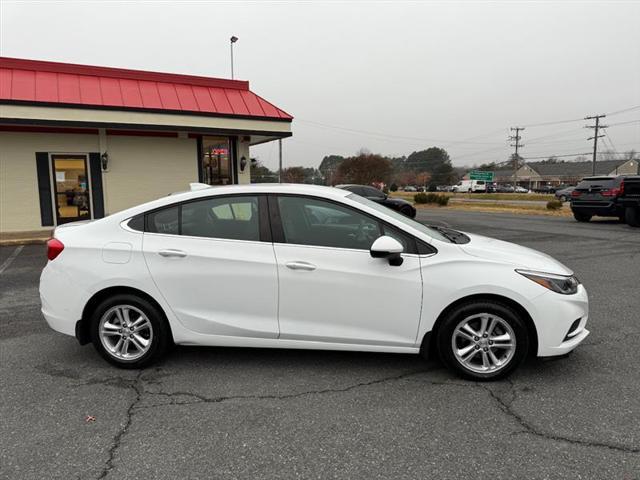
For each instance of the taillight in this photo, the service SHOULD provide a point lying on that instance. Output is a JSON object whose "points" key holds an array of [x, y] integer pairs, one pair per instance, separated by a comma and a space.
{"points": [[54, 248], [575, 193], [612, 192]]}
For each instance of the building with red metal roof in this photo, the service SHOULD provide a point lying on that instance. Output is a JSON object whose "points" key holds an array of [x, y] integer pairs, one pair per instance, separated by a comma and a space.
{"points": [[79, 142]]}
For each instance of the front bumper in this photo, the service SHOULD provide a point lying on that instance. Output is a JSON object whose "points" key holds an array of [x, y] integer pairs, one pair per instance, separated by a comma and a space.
{"points": [[555, 322]]}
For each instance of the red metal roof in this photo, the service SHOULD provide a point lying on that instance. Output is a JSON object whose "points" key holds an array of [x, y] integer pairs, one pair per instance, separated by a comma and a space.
{"points": [[33, 81]]}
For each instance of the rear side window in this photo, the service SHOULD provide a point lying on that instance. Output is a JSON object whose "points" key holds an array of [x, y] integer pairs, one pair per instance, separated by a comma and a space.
{"points": [[163, 221], [233, 218]]}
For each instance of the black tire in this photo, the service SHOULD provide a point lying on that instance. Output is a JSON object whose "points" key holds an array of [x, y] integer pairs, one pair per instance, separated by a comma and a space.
{"points": [[582, 217], [161, 338], [445, 337], [407, 211], [632, 216], [562, 198]]}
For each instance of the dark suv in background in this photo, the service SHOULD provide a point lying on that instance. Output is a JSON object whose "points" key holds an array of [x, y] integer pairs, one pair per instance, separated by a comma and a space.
{"points": [[382, 198], [630, 199], [598, 196]]}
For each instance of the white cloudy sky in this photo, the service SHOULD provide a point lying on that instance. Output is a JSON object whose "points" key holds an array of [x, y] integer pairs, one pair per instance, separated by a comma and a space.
{"points": [[393, 77]]}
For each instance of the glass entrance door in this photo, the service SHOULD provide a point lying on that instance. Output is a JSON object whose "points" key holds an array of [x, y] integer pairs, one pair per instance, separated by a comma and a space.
{"points": [[71, 188], [216, 161]]}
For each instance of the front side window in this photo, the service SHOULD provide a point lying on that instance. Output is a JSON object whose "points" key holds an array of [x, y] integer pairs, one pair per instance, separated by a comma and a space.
{"points": [[310, 221], [233, 218]]}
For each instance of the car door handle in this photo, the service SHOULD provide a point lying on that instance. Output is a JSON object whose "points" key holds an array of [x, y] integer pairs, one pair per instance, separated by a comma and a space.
{"points": [[172, 252], [300, 266]]}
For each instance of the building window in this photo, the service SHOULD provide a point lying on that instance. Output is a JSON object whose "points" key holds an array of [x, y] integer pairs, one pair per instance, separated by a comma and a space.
{"points": [[216, 161], [71, 188]]}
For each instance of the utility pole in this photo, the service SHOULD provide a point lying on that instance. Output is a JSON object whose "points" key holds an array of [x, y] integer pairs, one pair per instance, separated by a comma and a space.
{"points": [[516, 138], [595, 137], [279, 160]]}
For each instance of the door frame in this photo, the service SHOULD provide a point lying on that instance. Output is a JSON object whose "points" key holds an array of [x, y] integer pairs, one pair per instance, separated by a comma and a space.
{"points": [[54, 187]]}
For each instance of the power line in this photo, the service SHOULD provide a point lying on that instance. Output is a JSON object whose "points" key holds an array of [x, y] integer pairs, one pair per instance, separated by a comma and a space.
{"points": [[624, 123], [625, 110], [387, 135], [558, 122], [557, 156]]}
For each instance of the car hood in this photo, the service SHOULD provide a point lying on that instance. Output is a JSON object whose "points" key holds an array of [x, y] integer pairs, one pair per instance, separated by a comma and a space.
{"points": [[516, 255]]}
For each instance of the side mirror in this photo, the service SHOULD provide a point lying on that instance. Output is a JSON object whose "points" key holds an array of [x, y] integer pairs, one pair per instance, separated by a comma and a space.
{"points": [[389, 248]]}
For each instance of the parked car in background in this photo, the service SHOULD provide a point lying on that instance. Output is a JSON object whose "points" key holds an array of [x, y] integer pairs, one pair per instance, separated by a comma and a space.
{"points": [[470, 186], [378, 196], [545, 189], [520, 189], [409, 188], [506, 188], [491, 188], [598, 196], [630, 200], [325, 269], [564, 194], [443, 188]]}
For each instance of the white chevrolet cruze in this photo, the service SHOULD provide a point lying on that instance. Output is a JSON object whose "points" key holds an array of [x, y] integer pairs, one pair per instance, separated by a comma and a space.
{"points": [[298, 266]]}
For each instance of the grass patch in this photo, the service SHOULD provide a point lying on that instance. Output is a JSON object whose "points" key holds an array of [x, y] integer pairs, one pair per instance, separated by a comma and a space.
{"points": [[543, 197], [499, 207]]}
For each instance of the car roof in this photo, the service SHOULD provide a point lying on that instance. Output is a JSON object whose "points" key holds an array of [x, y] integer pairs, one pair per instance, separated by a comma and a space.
{"points": [[202, 192]]}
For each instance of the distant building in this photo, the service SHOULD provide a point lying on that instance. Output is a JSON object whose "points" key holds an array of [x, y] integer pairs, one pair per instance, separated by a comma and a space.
{"points": [[536, 174]]}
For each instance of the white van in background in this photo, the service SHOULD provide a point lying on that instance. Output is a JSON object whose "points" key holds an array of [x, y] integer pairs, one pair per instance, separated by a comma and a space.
{"points": [[470, 186]]}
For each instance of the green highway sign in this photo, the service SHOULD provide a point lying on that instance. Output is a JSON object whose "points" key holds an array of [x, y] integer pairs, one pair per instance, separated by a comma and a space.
{"points": [[480, 175]]}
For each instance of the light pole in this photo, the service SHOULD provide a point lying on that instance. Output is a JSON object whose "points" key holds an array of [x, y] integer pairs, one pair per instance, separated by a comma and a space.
{"points": [[233, 40]]}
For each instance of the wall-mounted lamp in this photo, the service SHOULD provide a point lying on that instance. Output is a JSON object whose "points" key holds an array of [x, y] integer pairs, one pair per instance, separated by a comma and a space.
{"points": [[104, 160], [243, 163]]}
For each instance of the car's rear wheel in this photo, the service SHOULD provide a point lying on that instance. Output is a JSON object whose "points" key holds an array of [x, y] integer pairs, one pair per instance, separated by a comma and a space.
{"points": [[562, 198], [582, 217], [632, 216], [482, 340], [129, 331]]}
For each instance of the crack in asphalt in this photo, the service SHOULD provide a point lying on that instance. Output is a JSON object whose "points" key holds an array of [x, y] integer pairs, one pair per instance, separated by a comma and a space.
{"points": [[203, 399], [530, 429], [504, 404], [113, 449]]}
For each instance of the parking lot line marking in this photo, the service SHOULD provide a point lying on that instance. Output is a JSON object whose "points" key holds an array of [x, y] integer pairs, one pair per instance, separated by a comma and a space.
{"points": [[11, 258]]}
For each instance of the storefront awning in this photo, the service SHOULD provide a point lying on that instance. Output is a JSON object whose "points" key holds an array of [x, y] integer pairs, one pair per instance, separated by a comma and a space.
{"points": [[52, 84]]}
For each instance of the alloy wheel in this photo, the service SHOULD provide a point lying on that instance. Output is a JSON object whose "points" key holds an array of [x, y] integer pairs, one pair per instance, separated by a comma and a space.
{"points": [[483, 343], [125, 332]]}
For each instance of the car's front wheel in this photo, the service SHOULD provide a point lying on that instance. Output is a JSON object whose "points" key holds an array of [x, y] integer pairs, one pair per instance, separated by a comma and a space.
{"points": [[482, 340], [129, 331]]}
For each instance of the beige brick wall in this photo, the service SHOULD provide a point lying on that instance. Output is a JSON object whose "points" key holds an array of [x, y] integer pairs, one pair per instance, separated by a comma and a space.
{"points": [[146, 168], [19, 200], [140, 169]]}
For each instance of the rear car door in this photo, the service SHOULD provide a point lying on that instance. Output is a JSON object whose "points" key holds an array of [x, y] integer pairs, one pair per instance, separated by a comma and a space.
{"points": [[213, 261], [331, 289]]}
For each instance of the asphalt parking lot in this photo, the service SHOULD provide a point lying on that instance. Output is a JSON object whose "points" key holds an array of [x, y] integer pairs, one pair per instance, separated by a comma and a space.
{"points": [[241, 413]]}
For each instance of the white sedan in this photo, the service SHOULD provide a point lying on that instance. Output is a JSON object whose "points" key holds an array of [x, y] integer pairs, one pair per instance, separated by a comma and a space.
{"points": [[299, 266]]}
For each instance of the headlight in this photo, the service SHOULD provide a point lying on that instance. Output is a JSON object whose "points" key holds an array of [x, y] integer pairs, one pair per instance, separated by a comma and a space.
{"points": [[566, 285]]}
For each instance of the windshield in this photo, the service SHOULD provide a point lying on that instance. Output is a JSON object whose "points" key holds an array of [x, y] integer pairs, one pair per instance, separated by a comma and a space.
{"points": [[401, 218]]}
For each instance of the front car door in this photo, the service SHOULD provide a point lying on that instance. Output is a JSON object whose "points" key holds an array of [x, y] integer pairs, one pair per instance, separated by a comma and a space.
{"points": [[213, 261], [331, 289]]}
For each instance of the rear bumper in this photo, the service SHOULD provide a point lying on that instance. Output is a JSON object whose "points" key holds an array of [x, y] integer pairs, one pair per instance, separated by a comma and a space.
{"points": [[608, 209]]}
